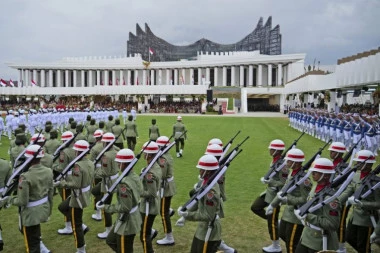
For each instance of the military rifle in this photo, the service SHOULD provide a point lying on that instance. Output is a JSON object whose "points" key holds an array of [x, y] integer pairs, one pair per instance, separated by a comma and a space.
{"points": [[293, 184], [227, 147], [371, 181], [18, 158], [223, 160], [65, 145], [280, 163], [339, 167]]}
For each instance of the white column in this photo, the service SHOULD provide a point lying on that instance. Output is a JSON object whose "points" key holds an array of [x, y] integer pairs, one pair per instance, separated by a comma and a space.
{"points": [[175, 76], [243, 99], [250, 75], [35, 77], [113, 77], [331, 104], [67, 82], [105, 78], [184, 77], [215, 76], [121, 77], [42, 74], [26, 76], [98, 77], [224, 76], [233, 78], [168, 77], [269, 74], [192, 76], [241, 76], [75, 78], [207, 74], [59, 78], [128, 81], [144, 77], [260, 76], [160, 77], [50, 84], [279, 74], [199, 76], [152, 82], [90, 78], [136, 75], [82, 79]]}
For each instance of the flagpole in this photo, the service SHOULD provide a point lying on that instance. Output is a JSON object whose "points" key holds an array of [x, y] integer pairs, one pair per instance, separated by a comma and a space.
{"points": [[149, 53]]}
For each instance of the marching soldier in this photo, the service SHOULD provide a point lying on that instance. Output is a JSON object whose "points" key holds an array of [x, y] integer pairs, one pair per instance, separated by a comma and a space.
{"points": [[131, 133], [94, 152], [110, 123], [65, 157], [167, 191], [121, 238], [5, 173], [35, 197], [17, 150], [82, 175], [52, 144], [154, 132], [337, 149], [207, 237], [80, 134], [178, 130], [91, 128], [117, 130], [276, 147], [149, 206], [108, 172], [47, 160], [291, 227], [360, 226], [323, 222]]}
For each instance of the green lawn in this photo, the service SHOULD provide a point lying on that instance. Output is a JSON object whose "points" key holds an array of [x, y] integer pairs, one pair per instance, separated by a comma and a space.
{"points": [[241, 229]]}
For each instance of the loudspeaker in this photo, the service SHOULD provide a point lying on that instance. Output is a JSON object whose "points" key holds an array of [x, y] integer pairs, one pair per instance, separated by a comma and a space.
{"points": [[209, 95]]}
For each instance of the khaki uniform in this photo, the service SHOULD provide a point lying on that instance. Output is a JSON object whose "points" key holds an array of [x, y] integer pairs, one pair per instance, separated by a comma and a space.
{"points": [[90, 133], [154, 132], [109, 125], [47, 161], [150, 194], [117, 130], [15, 151], [326, 218], [291, 227], [35, 197], [360, 227], [80, 136], [51, 146], [178, 129], [5, 173], [206, 210], [131, 134]]}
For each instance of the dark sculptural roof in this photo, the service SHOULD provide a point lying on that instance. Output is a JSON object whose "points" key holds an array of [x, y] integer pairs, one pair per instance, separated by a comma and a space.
{"points": [[262, 38]]}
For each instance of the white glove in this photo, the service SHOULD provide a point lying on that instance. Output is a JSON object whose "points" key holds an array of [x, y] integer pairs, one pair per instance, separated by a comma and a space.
{"points": [[56, 183], [4, 201], [181, 213], [180, 222], [297, 213], [283, 199], [269, 210], [355, 202], [264, 181], [99, 205]]}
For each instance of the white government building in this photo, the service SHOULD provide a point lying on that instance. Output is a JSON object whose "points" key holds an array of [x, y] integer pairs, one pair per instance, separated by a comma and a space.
{"points": [[268, 78]]}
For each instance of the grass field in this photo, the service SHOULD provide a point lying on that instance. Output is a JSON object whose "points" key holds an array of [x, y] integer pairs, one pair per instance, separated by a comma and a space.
{"points": [[241, 229]]}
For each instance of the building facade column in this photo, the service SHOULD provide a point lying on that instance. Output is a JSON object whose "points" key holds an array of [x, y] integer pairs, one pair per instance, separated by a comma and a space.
{"points": [[105, 78], [144, 77], [192, 76], [113, 77], [90, 78], [82, 78], [26, 76], [152, 81], [136, 77], [216, 76], [224, 76], [35, 79], [269, 74], [331, 104], [243, 99], [67, 81], [75, 78], [200, 76], [279, 74], [98, 77], [121, 77], [168, 77], [233, 77], [129, 74], [59, 78], [160, 77], [208, 75], [241, 76], [175, 81], [43, 78], [250, 75], [50, 83], [260, 76]]}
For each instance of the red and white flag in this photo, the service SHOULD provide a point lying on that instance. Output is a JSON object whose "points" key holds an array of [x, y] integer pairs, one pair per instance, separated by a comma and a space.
{"points": [[11, 83], [33, 83], [3, 83], [151, 51], [117, 81]]}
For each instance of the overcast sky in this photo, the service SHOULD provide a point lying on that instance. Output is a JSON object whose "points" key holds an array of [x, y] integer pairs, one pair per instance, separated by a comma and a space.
{"points": [[48, 30]]}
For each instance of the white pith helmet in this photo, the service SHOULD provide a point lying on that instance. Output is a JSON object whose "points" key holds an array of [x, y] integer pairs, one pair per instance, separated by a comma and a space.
{"points": [[41, 138], [151, 148], [322, 165], [337, 147], [364, 155], [162, 141], [208, 162], [124, 156], [277, 145], [216, 141], [81, 145], [108, 137], [214, 149], [32, 149], [295, 155], [98, 133], [67, 136]]}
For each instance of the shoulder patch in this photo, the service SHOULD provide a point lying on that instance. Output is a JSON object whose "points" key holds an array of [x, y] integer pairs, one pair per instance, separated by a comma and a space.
{"points": [[334, 204], [123, 188], [104, 160], [210, 195], [307, 182], [76, 170], [149, 177], [162, 161], [20, 181], [61, 156]]}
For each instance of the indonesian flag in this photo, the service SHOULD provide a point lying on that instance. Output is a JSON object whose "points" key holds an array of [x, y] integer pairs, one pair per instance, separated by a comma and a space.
{"points": [[117, 81], [151, 51], [3, 83], [33, 83], [11, 83]]}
